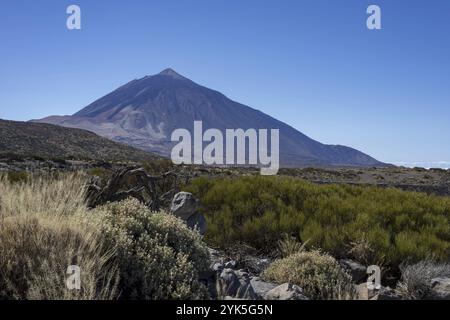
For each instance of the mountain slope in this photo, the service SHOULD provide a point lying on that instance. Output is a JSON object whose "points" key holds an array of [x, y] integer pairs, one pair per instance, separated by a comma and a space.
{"points": [[51, 142], [144, 112]]}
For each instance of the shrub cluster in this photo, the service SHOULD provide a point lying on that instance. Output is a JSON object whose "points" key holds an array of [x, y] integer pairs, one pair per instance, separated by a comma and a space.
{"points": [[394, 225], [157, 255], [124, 250]]}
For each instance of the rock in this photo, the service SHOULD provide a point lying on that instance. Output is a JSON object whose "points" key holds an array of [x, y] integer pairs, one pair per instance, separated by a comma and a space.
{"points": [[197, 221], [236, 284], [386, 293], [215, 255], [228, 282], [252, 263], [184, 205], [286, 291], [218, 267], [440, 289], [357, 271], [230, 264], [261, 287], [263, 264], [383, 293]]}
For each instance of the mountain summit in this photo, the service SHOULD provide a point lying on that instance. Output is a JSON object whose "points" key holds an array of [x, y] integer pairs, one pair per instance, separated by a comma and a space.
{"points": [[144, 112], [171, 73]]}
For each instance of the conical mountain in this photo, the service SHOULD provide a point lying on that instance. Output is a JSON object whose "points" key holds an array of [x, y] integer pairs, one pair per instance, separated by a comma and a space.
{"points": [[144, 112]]}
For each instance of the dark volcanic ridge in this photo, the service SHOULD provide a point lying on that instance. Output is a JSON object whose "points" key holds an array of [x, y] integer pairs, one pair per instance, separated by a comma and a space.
{"points": [[28, 139]]}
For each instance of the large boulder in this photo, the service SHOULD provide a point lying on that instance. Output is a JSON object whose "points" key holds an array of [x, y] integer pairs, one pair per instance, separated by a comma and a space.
{"points": [[184, 205], [236, 284], [261, 287], [286, 291], [440, 289]]}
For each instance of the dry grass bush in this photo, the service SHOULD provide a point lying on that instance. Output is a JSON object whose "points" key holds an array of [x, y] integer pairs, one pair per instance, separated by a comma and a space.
{"points": [[415, 283], [319, 275], [42, 233], [289, 245], [157, 255]]}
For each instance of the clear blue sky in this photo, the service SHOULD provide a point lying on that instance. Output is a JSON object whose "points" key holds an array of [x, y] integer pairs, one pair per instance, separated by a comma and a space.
{"points": [[312, 64]]}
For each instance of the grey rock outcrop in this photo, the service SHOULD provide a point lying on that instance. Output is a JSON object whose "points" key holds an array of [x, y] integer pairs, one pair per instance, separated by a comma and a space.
{"points": [[286, 291], [262, 287], [185, 206]]}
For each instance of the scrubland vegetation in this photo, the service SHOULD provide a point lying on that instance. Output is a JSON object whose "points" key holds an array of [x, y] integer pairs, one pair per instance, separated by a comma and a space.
{"points": [[123, 249], [370, 224], [126, 251]]}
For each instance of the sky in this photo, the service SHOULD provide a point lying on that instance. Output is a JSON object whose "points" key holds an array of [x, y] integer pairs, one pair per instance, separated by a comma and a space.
{"points": [[313, 64]]}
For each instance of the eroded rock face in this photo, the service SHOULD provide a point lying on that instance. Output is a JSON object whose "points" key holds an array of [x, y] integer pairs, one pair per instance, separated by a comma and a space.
{"points": [[286, 291]]}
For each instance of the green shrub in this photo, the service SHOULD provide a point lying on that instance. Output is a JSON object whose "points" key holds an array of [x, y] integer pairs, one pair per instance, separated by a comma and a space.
{"points": [[395, 225], [318, 274], [157, 255], [98, 172], [14, 176]]}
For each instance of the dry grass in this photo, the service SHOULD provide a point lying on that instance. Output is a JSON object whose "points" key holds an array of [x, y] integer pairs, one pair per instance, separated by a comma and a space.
{"points": [[415, 283], [289, 245], [44, 230]]}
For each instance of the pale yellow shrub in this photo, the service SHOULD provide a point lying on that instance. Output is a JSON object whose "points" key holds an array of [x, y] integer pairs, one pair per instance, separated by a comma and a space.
{"points": [[42, 232], [317, 273]]}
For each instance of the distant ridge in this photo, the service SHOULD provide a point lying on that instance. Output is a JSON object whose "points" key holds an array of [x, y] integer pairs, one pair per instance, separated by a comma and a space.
{"points": [[144, 112], [48, 141]]}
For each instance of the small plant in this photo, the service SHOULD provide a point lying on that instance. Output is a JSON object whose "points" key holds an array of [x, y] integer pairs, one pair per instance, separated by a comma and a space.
{"points": [[289, 245], [317, 273], [415, 283]]}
